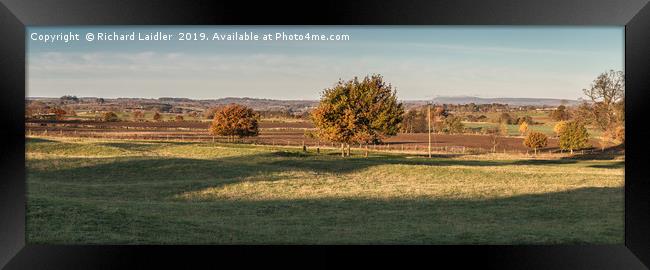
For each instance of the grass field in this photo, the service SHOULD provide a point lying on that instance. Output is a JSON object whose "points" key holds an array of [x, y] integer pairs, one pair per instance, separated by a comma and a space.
{"points": [[132, 192]]}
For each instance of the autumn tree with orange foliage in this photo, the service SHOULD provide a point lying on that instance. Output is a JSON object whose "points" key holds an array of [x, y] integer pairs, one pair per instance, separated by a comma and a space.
{"points": [[536, 140], [58, 112], [235, 120], [358, 111]]}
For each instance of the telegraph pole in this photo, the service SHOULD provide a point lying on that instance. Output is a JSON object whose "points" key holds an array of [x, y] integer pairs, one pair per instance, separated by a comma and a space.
{"points": [[429, 125]]}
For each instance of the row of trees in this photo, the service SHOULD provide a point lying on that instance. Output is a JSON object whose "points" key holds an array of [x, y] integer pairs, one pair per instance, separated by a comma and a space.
{"points": [[572, 135], [364, 111], [357, 111], [417, 121]]}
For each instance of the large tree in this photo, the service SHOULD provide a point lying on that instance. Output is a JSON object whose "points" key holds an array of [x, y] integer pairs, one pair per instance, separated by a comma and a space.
{"points": [[235, 120], [606, 109], [358, 111]]}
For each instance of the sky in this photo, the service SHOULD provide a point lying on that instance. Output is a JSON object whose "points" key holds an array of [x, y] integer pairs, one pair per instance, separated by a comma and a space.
{"points": [[420, 62]]}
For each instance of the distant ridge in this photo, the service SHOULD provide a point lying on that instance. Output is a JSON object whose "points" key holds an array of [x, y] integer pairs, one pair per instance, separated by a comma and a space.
{"points": [[301, 105], [509, 101]]}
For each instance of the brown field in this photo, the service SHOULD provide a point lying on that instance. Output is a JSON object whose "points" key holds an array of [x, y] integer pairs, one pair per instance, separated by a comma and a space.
{"points": [[271, 133]]}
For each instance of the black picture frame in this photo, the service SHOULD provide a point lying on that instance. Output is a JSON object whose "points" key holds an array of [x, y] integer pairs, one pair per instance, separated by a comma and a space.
{"points": [[15, 15]]}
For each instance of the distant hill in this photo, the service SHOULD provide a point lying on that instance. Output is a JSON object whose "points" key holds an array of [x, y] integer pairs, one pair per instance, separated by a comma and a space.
{"points": [[285, 105], [509, 101]]}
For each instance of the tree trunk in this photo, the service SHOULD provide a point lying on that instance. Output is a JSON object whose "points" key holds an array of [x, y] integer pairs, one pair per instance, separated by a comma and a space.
{"points": [[366, 154], [342, 150], [349, 154]]}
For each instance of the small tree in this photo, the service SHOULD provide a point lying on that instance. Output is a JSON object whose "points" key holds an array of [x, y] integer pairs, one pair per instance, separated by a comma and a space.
{"points": [[536, 140], [209, 113], [156, 116], [138, 115], [560, 114], [494, 135], [505, 118], [503, 129], [525, 118], [574, 136], [559, 127], [523, 128], [235, 120], [453, 124], [605, 139], [110, 117], [179, 118], [58, 112]]}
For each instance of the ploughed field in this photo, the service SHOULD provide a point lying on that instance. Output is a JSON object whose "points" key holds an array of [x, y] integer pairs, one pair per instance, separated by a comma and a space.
{"points": [[271, 133], [82, 190]]}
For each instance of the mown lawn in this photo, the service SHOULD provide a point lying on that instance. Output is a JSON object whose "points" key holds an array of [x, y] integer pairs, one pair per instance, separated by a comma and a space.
{"points": [[131, 192]]}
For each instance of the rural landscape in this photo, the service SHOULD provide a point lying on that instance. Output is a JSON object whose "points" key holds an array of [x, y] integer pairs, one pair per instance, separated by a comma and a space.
{"points": [[358, 166]]}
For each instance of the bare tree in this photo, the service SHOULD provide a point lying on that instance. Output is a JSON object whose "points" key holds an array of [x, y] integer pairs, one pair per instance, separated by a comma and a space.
{"points": [[607, 95]]}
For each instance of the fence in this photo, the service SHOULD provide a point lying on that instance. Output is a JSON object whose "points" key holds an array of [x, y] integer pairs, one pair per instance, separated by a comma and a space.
{"points": [[414, 148]]}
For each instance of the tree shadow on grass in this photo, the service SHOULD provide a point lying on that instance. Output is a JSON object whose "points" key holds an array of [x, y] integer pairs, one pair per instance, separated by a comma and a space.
{"points": [[167, 175], [262, 164], [37, 140], [614, 165], [584, 215]]}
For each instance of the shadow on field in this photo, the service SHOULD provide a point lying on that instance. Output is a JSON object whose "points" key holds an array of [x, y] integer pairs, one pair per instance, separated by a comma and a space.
{"points": [[609, 153], [614, 165], [187, 174], [37, 140], [584, 215]]}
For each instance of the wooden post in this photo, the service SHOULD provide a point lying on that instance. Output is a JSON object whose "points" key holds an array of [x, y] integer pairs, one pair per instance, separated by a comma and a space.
{"points": [[429, 126]]}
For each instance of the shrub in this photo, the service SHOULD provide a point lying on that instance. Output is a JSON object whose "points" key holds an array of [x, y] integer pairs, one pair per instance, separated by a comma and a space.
{"points": [[110, 117]]}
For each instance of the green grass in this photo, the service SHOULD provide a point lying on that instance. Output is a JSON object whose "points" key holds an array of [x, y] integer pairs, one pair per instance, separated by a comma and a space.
{"points": [[546, 128], [132, 192]]}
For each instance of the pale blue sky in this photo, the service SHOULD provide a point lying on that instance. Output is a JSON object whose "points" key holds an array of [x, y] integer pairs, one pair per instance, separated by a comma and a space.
{"points": [[421, 62]]}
